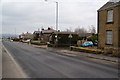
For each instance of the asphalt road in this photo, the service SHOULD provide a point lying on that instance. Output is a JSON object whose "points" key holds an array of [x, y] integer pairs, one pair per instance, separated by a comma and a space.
{"points": [[41, 63]]}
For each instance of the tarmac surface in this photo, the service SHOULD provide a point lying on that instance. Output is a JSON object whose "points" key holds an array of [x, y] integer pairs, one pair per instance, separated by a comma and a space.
{"points": [[43, 63]]}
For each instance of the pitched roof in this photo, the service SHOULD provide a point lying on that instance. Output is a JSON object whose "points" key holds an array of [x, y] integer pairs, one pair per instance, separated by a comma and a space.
{"points": [[109, 5], [48, 31], [25, 34], [37, 32], [64, 32]]}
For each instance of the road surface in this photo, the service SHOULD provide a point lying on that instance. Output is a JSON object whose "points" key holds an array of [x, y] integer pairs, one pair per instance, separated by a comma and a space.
{"points": [[41, 63]]}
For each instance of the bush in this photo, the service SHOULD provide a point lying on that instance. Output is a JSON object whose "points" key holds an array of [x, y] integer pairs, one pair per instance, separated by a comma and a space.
{"points": [[15, 39], [64, 40], [93, 38]]}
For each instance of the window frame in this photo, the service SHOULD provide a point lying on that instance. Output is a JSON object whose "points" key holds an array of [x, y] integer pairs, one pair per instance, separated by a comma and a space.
{"points": [[107, 38], [108, 17]]}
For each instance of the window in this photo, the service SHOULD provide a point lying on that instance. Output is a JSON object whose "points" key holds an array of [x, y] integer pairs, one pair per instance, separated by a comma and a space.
{"points": [[109, 37], [110, 16]]}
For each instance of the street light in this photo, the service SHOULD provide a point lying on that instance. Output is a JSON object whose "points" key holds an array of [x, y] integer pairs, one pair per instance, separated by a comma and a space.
{"points": [[56, 36], [56, 15]]}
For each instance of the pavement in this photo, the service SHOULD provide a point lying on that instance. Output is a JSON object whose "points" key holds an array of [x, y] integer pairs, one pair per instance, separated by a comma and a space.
{"points": [[75, 53], [10, 68], [0, 59], [42, 63]]}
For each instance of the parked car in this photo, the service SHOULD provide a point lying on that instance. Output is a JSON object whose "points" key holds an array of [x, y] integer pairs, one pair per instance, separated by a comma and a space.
{"points": [[95, 42], [11, 40], [87, 43], [26, 41]]}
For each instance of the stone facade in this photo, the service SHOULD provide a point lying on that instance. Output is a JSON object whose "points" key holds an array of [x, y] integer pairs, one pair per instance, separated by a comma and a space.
{"points": [[114, 26], [44, 34], [26, 36]]}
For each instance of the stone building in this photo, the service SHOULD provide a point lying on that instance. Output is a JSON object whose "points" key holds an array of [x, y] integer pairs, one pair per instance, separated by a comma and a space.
{"points": [[109, 27], [44, 34], [36, 35], [25, 36]]}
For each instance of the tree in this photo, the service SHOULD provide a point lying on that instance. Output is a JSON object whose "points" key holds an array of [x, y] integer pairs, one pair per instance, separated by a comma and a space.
{"points": [[69, 29], [80, 30], [93, 37], [92, 29]]}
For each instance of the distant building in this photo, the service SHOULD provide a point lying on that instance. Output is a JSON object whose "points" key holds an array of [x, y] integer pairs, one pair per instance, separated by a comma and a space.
{"points": [[109, 27], [36, 35], [26, 36], [44, 34]]}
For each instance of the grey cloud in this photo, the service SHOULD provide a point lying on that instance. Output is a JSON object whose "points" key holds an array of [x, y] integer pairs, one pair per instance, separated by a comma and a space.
{"points": [[29, 16]]}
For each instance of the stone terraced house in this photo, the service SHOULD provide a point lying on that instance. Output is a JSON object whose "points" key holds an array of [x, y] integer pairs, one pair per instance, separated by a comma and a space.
{"points": [[109, 27]]}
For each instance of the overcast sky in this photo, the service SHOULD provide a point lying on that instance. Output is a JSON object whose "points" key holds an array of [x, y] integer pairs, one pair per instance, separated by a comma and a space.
{"points": [[20, 16]]}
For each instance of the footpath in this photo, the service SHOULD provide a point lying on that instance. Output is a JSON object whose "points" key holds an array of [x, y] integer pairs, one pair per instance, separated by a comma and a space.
{"points": [[10, 68], [75, 53]]}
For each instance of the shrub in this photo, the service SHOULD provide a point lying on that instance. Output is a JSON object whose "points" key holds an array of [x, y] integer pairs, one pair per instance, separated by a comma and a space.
{"points": [[93, 38], [15, 39]]}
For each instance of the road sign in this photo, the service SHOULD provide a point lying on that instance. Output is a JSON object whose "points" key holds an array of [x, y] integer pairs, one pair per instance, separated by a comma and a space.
{"points": [[70, 36]]}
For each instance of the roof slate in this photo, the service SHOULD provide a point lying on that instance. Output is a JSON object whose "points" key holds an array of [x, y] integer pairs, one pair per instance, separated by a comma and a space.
{"points": [[109, 5], [37, 32], [48, 31]]}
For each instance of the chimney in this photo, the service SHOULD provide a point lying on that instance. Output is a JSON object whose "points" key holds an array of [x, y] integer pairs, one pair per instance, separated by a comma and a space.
{"points": [[49, 28], [42, 28]]}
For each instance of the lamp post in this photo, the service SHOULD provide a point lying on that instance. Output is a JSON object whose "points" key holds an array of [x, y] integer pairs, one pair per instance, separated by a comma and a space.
{"points": [[56, 15], [56, 23], [56, 36]]}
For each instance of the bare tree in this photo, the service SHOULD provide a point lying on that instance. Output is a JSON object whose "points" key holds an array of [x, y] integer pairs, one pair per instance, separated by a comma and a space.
{"points": [[92, 29], [69, 29], [80, 30]]}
